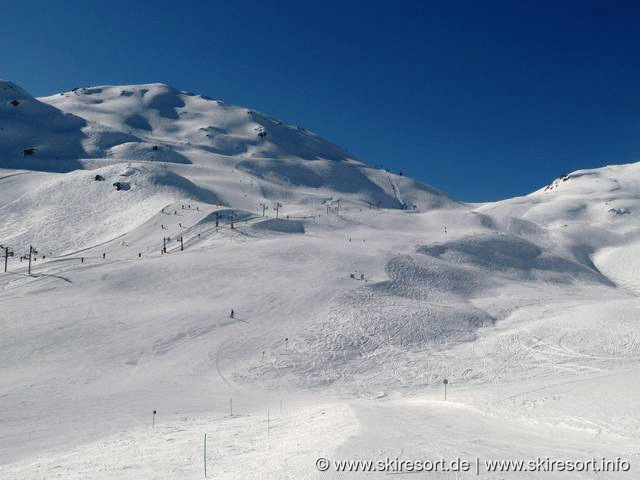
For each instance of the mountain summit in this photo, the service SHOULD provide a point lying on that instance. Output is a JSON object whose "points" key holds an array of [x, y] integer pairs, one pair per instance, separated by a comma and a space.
{"points": [[158, 113], [160, 145]]}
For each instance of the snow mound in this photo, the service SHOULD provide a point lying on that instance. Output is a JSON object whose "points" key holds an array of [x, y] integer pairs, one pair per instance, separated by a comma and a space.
{"points": [[99, 140], [280, 225], [226, 215], [513, 257], [145, 151]]}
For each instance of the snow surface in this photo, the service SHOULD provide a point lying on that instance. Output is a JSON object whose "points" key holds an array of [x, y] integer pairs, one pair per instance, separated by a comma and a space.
{"points": [[350, 308]]}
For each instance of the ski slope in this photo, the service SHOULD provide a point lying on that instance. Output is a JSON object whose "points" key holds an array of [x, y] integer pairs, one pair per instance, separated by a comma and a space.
{"points": [[350, 308]]}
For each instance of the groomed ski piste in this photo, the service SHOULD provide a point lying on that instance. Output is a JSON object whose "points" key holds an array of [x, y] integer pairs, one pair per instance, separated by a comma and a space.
{"points": [[355, 293]]}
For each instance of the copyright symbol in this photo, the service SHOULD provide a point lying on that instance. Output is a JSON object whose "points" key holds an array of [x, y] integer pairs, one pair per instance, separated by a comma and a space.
{"points": [[322, 464]]}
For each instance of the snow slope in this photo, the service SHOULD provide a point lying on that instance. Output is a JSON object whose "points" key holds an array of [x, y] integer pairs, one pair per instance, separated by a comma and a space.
{"points": [[355, 293], [29, 124]]}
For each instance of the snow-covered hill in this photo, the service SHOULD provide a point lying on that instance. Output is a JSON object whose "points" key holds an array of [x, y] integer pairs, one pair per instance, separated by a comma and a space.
{"points": [[52, 139], [174, 142], [355, 293]]}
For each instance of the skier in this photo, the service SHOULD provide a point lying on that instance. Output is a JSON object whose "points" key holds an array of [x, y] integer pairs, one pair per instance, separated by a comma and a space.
{"points": [[231, 316]]}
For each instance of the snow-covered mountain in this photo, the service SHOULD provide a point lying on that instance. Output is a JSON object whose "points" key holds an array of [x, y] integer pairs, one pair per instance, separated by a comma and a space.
{"points": [[29, 126], [164, 145], [355, 293]]}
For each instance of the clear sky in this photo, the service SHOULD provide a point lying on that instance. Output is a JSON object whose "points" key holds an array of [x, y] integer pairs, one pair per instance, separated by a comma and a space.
{"points": [[481, 99]]}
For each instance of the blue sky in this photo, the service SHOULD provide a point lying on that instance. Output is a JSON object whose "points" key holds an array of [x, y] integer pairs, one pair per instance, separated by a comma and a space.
{"points": [[483, 100]]}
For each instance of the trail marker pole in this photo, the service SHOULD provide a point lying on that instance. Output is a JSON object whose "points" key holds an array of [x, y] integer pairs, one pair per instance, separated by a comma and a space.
{"points": [[181, 244], [205, 455], [231, 407], [445, 381], [153, 421]]}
